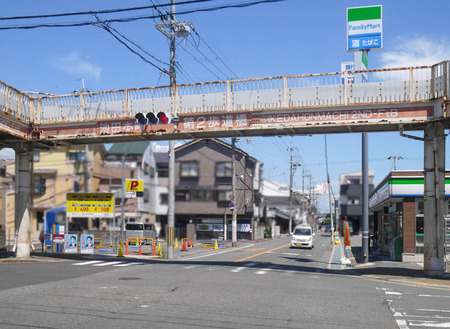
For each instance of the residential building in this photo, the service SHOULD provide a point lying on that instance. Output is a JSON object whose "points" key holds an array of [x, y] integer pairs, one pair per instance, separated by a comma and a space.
{"points": [[129, 161], [276, 204], [350, 190], [203, 184], [55, 173]]}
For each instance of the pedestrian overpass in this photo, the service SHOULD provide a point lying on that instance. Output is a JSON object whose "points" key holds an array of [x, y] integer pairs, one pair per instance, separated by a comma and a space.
{"points": [[397, 99]]}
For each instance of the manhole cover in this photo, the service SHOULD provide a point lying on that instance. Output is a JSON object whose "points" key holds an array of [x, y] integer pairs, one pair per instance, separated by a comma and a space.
{"points": [[128, 278]]}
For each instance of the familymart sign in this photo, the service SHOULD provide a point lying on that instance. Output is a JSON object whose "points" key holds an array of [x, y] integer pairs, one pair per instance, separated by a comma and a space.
{"points": [[364, 28]]}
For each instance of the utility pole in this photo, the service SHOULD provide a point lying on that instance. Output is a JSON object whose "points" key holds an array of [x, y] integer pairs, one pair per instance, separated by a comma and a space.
{"points": [[171, 196], [395, 157], [171, 29], [233, 184], [291, 178]]}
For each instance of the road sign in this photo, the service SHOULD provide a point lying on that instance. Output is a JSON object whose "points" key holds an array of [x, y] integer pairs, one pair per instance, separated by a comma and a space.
{"points": [[134, 188], [231, 206], [90, 205], [231, 197], [364, 28]]}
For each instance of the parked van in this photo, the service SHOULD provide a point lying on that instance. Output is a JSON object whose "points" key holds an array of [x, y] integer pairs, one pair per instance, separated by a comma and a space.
{"points": [[303, 236], [135, 230]]}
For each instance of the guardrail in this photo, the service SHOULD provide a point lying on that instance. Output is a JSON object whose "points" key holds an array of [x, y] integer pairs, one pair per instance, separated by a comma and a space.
{"points": [[395, 85]]}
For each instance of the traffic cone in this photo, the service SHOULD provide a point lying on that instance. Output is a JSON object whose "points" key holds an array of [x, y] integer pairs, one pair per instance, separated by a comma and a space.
{"points": [[159, 252], [215, 245], [176, 244], [184, 246]]}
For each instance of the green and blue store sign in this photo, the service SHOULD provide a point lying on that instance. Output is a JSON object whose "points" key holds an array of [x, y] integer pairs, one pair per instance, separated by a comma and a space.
{"points": [[402, 187]]}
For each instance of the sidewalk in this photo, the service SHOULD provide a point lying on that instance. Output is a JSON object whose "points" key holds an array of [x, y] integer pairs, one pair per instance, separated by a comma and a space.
{"points": [[383, 268]]}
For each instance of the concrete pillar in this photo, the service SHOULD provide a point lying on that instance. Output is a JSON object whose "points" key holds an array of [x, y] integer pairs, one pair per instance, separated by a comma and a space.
{"points": [[22, 203], [434, 199]]}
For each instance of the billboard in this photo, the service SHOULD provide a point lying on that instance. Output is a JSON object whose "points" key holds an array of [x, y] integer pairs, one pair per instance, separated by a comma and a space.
{"points": [[90, 205], [364, 28]]}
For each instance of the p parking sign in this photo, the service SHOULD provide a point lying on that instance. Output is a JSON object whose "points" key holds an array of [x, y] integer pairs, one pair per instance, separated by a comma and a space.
{"points": [[134, 188]]}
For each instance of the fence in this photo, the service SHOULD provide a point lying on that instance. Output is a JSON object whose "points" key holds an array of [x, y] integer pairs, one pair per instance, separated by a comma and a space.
{"points": [[396, 85]]}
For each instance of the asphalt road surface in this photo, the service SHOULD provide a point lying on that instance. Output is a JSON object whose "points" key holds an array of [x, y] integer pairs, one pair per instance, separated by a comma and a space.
{"points": [[261, 285]]}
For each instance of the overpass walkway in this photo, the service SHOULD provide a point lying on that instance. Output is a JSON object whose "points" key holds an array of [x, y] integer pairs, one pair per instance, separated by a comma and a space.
{"points": [[299, 104]]}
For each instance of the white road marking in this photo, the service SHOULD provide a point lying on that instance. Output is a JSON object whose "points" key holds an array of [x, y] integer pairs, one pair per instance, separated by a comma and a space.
{"points": [[434, 296], [402, 324], [265, 270], [88, 262], [393, 293], [430, 324], [189, 267], [107, 264], [219, 252], [128, 264], [236, 270], [290, 253]]}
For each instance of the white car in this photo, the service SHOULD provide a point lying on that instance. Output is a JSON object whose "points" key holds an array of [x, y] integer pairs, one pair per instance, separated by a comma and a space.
{"points": [[302, 236]]}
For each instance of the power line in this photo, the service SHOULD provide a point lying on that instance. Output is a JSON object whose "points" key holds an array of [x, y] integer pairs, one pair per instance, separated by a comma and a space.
{"points": [[136, 18], [106, 11]]}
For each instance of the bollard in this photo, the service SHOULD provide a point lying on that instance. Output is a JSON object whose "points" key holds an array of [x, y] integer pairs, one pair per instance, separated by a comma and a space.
{"points": [[126, 246], [140, 247], [215, 245], [120, 254], [159, 252], [176, 244]]}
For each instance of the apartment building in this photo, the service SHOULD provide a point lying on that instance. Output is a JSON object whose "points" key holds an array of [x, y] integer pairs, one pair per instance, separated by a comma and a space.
{"points": [[203, 184], [350, 190]]}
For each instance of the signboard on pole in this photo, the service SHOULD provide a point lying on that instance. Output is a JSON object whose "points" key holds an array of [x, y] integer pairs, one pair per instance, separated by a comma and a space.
{"points": [[90, 205], [364, 28], [134, 188], [346, 67]]}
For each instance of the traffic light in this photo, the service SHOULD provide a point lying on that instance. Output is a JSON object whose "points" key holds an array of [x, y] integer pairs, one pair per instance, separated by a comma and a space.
{"points": [[150, 118], [42, 186]]}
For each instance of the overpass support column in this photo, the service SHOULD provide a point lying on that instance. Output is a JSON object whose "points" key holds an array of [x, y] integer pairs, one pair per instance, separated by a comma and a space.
{"points": [[22, 203], [434, 199]]}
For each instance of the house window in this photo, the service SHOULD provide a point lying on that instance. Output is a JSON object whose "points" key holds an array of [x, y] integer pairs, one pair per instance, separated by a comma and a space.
{"points": [[162, 169], [189, 169], [36, 156], [152, 172], [224, 169], [146, 195], [164, 198], [77, 155], [145, 169], [202, 195], [223, 195]]}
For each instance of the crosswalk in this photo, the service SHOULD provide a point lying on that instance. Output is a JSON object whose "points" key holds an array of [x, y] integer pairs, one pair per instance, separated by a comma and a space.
{"points": [[250, 267], [412, 309], [102, 263]]}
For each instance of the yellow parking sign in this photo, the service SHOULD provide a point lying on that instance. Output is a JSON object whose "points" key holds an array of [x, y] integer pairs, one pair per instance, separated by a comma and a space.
{"points": [[90, 205], [134, 188]]}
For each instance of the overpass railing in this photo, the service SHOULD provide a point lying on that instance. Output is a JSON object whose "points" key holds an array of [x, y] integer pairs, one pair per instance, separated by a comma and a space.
{"points": [[395, 85]]}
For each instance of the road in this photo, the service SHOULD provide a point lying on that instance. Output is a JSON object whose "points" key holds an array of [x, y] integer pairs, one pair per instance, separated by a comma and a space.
{"points": [[260, 285]]}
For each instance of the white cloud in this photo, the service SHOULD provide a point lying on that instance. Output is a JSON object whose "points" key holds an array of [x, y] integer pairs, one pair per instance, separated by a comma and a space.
{"points": [[415, 51], [78, 66], [7, 154]]}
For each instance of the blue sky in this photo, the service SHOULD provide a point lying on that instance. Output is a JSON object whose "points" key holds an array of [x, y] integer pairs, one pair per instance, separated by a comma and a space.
{"points": [[283, 38]]}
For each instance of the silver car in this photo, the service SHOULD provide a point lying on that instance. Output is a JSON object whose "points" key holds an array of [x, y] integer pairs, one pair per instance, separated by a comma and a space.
{"points": [[135, 230]]}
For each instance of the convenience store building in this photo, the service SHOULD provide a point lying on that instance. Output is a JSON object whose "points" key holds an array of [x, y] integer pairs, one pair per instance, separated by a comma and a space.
{"points": [[397, 204]]}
